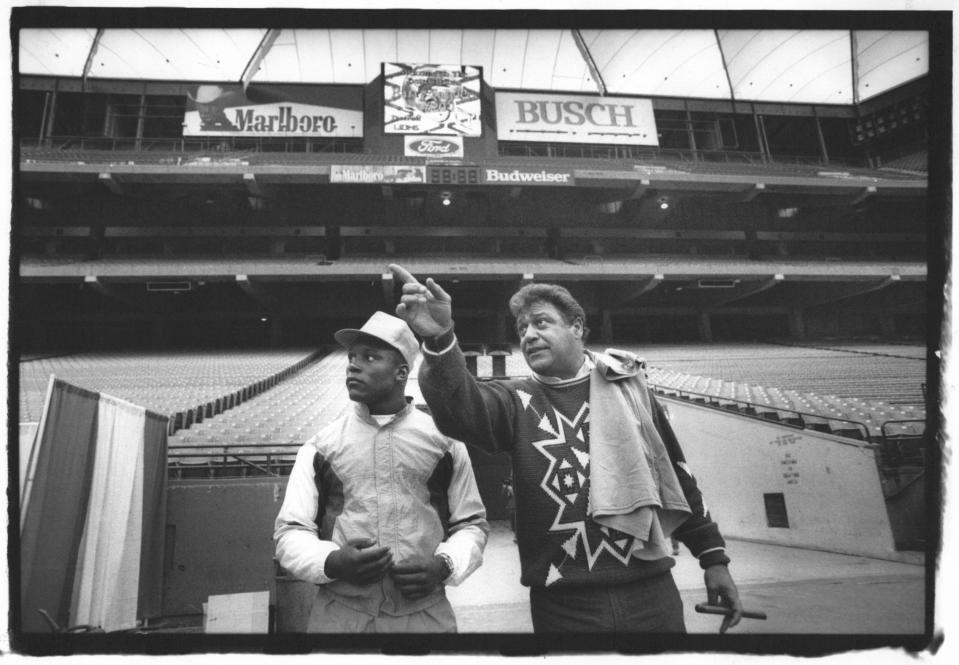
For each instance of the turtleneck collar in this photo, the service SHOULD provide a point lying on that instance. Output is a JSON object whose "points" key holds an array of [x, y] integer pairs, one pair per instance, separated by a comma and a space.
{"points": [[582, 372]]}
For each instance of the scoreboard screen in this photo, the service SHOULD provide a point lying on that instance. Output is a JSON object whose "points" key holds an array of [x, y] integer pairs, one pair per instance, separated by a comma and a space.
{"points": [[454, 175]]}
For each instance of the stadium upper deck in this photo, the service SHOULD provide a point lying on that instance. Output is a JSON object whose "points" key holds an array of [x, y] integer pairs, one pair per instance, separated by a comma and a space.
{"points": [[260, 208]]}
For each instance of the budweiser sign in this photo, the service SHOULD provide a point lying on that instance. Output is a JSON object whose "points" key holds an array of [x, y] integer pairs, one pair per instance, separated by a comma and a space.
{"points": [[528, 177], [433, 146], [575, 119]]}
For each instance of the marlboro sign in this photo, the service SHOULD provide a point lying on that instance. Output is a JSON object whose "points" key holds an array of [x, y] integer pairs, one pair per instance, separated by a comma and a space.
{"points": [[275, 111]]}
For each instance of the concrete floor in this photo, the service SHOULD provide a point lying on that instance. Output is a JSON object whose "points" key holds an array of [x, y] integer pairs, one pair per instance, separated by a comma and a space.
{"points": [[801, 591]]}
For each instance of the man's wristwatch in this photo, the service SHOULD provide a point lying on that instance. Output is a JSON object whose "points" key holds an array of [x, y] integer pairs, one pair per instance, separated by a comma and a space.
{"points": [[447, 566]]}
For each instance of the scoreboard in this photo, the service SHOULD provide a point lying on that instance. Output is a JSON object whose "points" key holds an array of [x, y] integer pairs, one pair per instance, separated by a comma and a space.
{"points": [[454, 175]]}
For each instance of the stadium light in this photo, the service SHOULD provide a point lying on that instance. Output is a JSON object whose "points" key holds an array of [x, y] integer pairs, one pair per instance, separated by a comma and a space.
{"points": [[664, 203], [446, 198]]}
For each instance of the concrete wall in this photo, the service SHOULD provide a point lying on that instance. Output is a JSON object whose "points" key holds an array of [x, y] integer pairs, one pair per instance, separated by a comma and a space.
{"points": [[219, 539], [831, 486]]}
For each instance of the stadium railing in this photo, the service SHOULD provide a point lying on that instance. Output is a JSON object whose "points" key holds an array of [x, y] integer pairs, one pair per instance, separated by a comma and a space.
{"points": [[229, 460]]}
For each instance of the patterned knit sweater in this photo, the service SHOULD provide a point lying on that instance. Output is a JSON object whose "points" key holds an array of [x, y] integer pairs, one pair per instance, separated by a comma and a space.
{"points": [[545, 428]]}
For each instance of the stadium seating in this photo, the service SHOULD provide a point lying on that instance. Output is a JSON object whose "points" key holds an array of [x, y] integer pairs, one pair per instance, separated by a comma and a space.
{"points": [[189, 387], [917, 162], [267, 429], [862, 391], [236, 413]]}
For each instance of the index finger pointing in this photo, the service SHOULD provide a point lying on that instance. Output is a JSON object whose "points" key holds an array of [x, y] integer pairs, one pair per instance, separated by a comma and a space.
{"points": [[401, 274]]}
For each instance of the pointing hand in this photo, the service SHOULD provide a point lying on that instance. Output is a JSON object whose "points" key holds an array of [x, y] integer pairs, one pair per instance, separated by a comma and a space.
{"points": [[427, 309]]}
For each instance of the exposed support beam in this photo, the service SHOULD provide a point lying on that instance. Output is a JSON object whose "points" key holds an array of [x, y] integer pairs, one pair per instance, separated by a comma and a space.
{"points": [[705, 327], [91, 55], [387, 284], [617, 294], [844, 291], [606, 326], [745, 292], [590, 63], [722, 55], [254, 64], [640, 190], [863, 195], [854, 67], [254, 187], [261, 295], [751, 193], [689, 310], [797, 324], [111, 183], [94, 283]]}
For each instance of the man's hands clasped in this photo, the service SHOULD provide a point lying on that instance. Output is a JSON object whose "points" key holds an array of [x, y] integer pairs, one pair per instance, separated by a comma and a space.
{"points": [[418, 579], [360, 562]]}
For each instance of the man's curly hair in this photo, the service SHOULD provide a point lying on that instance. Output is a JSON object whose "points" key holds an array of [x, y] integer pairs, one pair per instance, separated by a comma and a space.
{"points": [[554, 294]]}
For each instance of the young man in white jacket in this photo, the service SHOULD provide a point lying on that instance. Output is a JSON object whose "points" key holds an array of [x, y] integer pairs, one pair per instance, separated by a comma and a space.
{"points": [[381, 509]]}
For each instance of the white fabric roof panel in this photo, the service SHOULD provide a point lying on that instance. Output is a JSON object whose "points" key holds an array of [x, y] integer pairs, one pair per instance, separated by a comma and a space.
{"points": [[172, 54], [886, 59], [798, 66], [60, 52], [666, 63]]}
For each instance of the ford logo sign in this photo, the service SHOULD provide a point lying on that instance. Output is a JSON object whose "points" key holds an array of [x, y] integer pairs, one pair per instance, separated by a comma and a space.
{"points": [[434, 146]]}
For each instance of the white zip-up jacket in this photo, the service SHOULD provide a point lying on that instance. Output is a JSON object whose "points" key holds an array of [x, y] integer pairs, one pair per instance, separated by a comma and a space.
{"points": [[403, 484]]}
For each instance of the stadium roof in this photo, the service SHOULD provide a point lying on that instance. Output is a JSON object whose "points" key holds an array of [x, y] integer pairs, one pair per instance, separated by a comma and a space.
{"points": [[788, 66]]}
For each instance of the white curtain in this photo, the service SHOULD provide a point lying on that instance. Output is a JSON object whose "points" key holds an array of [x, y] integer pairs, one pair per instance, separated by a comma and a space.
{"points": [[28, 438], [106, 585]]}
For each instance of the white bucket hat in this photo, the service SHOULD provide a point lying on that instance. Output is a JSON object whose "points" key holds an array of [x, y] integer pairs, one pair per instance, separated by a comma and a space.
{"points": [[386, 328]]}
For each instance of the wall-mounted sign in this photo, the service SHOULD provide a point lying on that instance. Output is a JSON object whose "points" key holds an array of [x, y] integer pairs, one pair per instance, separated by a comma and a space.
{"points": [[574, 119], [528, 176], [374, 173], [433, 146], [454, 175], [431, 99], [274, 110]]}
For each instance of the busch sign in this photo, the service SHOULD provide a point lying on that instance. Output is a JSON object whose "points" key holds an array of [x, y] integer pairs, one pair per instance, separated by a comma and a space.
{"points": [[574, 119], [433, 146]]}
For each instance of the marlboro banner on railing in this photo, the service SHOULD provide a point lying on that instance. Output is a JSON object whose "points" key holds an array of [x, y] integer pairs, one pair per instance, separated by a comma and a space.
{"points": [[274, 111], [560, 118], [431, 99]]}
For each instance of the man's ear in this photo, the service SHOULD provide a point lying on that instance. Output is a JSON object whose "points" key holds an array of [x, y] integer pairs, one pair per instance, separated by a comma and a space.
{"points": [[403, 372], [578, 327]]}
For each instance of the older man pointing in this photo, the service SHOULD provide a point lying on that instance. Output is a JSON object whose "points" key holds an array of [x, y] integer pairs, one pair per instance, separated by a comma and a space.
{"points": [[600, 480]]}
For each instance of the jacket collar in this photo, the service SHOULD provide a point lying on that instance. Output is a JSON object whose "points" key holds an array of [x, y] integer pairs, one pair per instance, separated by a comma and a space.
{"points": [[615, 365], [363, 412], [583, 371]]}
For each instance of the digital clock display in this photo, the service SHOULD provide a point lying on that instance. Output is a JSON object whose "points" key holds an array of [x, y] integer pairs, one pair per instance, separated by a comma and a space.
{"points": [[454, 175]]}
